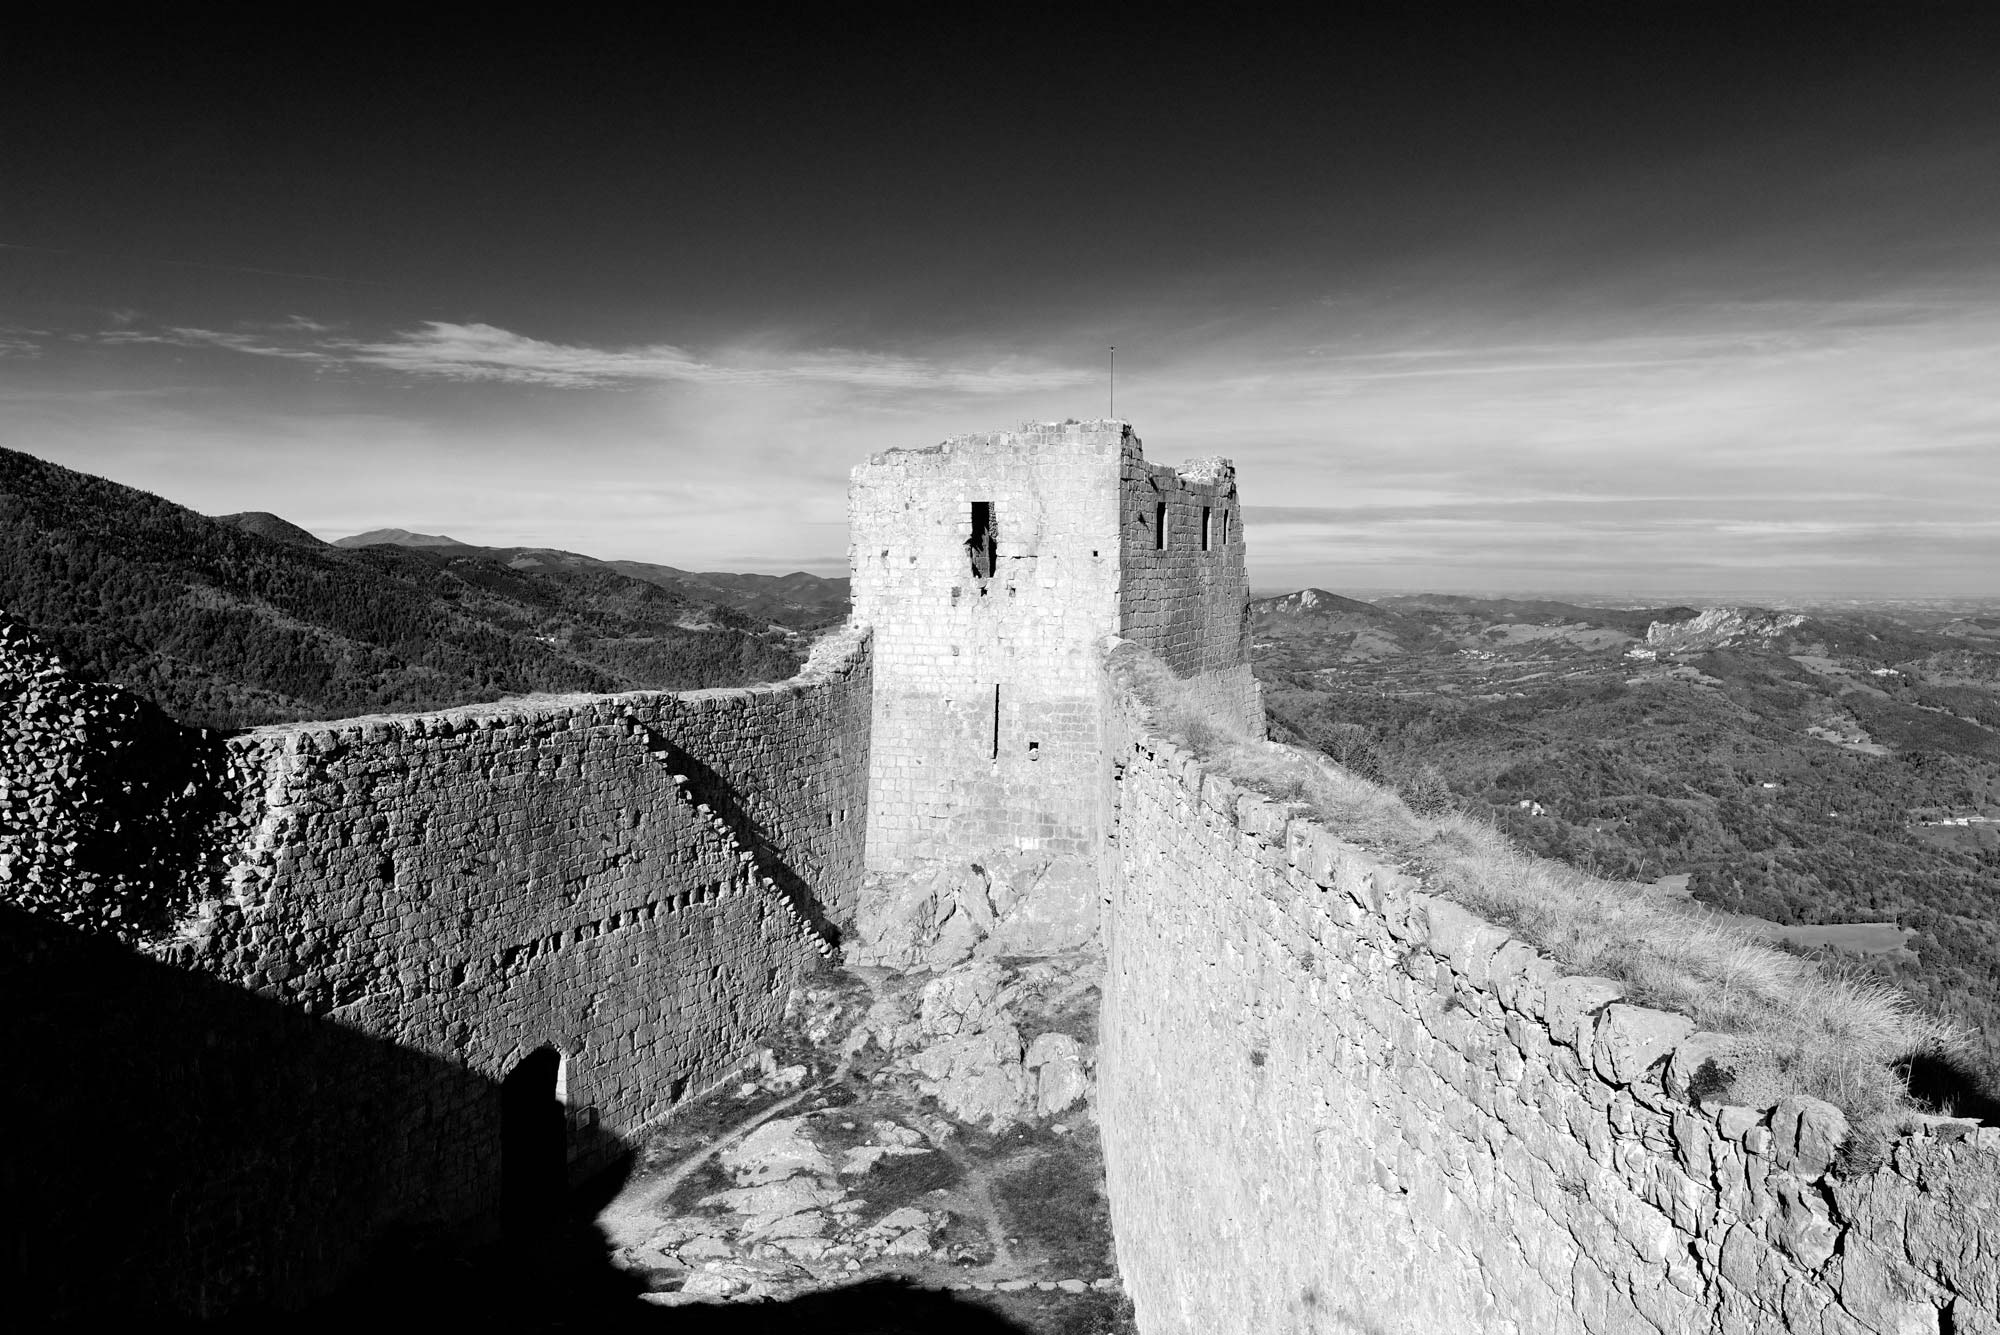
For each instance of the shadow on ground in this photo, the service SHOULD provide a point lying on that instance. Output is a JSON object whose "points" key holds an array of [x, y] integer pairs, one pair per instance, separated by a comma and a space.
{"points": [[565, 1279], [570, 1284], [186, 1149]]}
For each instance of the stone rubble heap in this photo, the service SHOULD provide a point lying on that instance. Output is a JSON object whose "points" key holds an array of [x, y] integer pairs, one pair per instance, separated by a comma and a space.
{"points": [[946, 911]]}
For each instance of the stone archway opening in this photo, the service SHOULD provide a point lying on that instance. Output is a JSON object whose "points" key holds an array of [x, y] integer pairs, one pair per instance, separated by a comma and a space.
{"points": [[534, 1151]]}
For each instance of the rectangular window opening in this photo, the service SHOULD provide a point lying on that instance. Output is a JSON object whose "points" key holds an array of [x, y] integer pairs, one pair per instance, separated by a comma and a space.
{"points": [[1160, 527], [996, 720], [1205, 523], [1034, 750], [983, 546], [1222, 539]]}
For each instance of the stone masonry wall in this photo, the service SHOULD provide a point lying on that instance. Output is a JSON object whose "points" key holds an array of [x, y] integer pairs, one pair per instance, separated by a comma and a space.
{"points": [[108, 807], [1332, 1102], [479, 882], [1184, 592], [633, 880], [986, 697]]}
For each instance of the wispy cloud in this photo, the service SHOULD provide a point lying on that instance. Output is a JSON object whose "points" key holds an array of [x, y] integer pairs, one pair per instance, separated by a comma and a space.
{"points": [[1819, 446], [1678, 444], [260, 345], [442, 350]]}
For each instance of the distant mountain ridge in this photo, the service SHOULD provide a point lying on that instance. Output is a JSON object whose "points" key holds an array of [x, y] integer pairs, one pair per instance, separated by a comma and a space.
{"points": [[800, 601], [397, 537], [1632, 620], [1424, 623], [1311, 602], [797, 600], [249, 619], [267, 525]]}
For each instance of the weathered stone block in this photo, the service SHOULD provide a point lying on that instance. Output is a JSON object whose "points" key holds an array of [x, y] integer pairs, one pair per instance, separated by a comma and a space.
{"points": [[1315, 851], [1506, 969], [1880, 1296], [1219, 795], [1694, 1146], [1806, 1134], [1392, 892], [1630, 1039], [1463, 937], [1803, 1228], [1357, 881], [1572, 1006], [1691, 1054], [1260, 816], [1735, 1122], [1742, 1258], [1969, 1314]]}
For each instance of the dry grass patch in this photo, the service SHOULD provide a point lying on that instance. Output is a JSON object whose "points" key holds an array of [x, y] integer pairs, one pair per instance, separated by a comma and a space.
{"points": [[1802, 1027]]}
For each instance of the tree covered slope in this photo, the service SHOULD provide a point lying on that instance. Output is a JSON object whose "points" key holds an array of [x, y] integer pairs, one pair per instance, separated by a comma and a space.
{"points": [[230, 624]]}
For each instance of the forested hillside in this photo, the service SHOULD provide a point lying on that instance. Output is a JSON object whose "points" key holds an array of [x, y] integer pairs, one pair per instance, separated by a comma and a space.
{"points": [[1801, 769], [228, 624]]}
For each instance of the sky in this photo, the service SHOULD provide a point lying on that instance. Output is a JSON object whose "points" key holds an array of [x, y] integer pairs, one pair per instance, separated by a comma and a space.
{"points": [[1667, 300]]}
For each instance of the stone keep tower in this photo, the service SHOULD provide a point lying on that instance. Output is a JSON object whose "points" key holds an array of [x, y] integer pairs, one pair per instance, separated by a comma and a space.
{"points": [[992, 568]]}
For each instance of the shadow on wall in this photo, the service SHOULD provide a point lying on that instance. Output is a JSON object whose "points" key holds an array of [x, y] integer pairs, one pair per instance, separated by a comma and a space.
{"points": [[180, 1148], [710, 789]]}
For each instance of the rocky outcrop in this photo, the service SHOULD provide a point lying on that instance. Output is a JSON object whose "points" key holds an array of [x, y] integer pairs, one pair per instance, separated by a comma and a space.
{"points": [[1061, 1076], [867, 1166], [1717, 628], [960, 1038], [948, 911]]}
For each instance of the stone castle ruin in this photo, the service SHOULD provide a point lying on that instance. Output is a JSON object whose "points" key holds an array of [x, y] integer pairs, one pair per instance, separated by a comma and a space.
{"points": [[312, 989], [991, 570]]}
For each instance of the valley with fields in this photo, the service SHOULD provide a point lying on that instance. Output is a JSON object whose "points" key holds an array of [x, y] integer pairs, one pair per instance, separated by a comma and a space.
{"points": [[1827, 776]]}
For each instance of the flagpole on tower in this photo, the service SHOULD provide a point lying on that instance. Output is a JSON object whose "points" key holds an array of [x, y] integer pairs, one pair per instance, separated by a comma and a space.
{"points": [[1113, 380]]}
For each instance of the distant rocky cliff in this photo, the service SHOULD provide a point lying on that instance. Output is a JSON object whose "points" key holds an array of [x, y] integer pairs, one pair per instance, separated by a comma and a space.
{"points": [[1718, 628]]}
